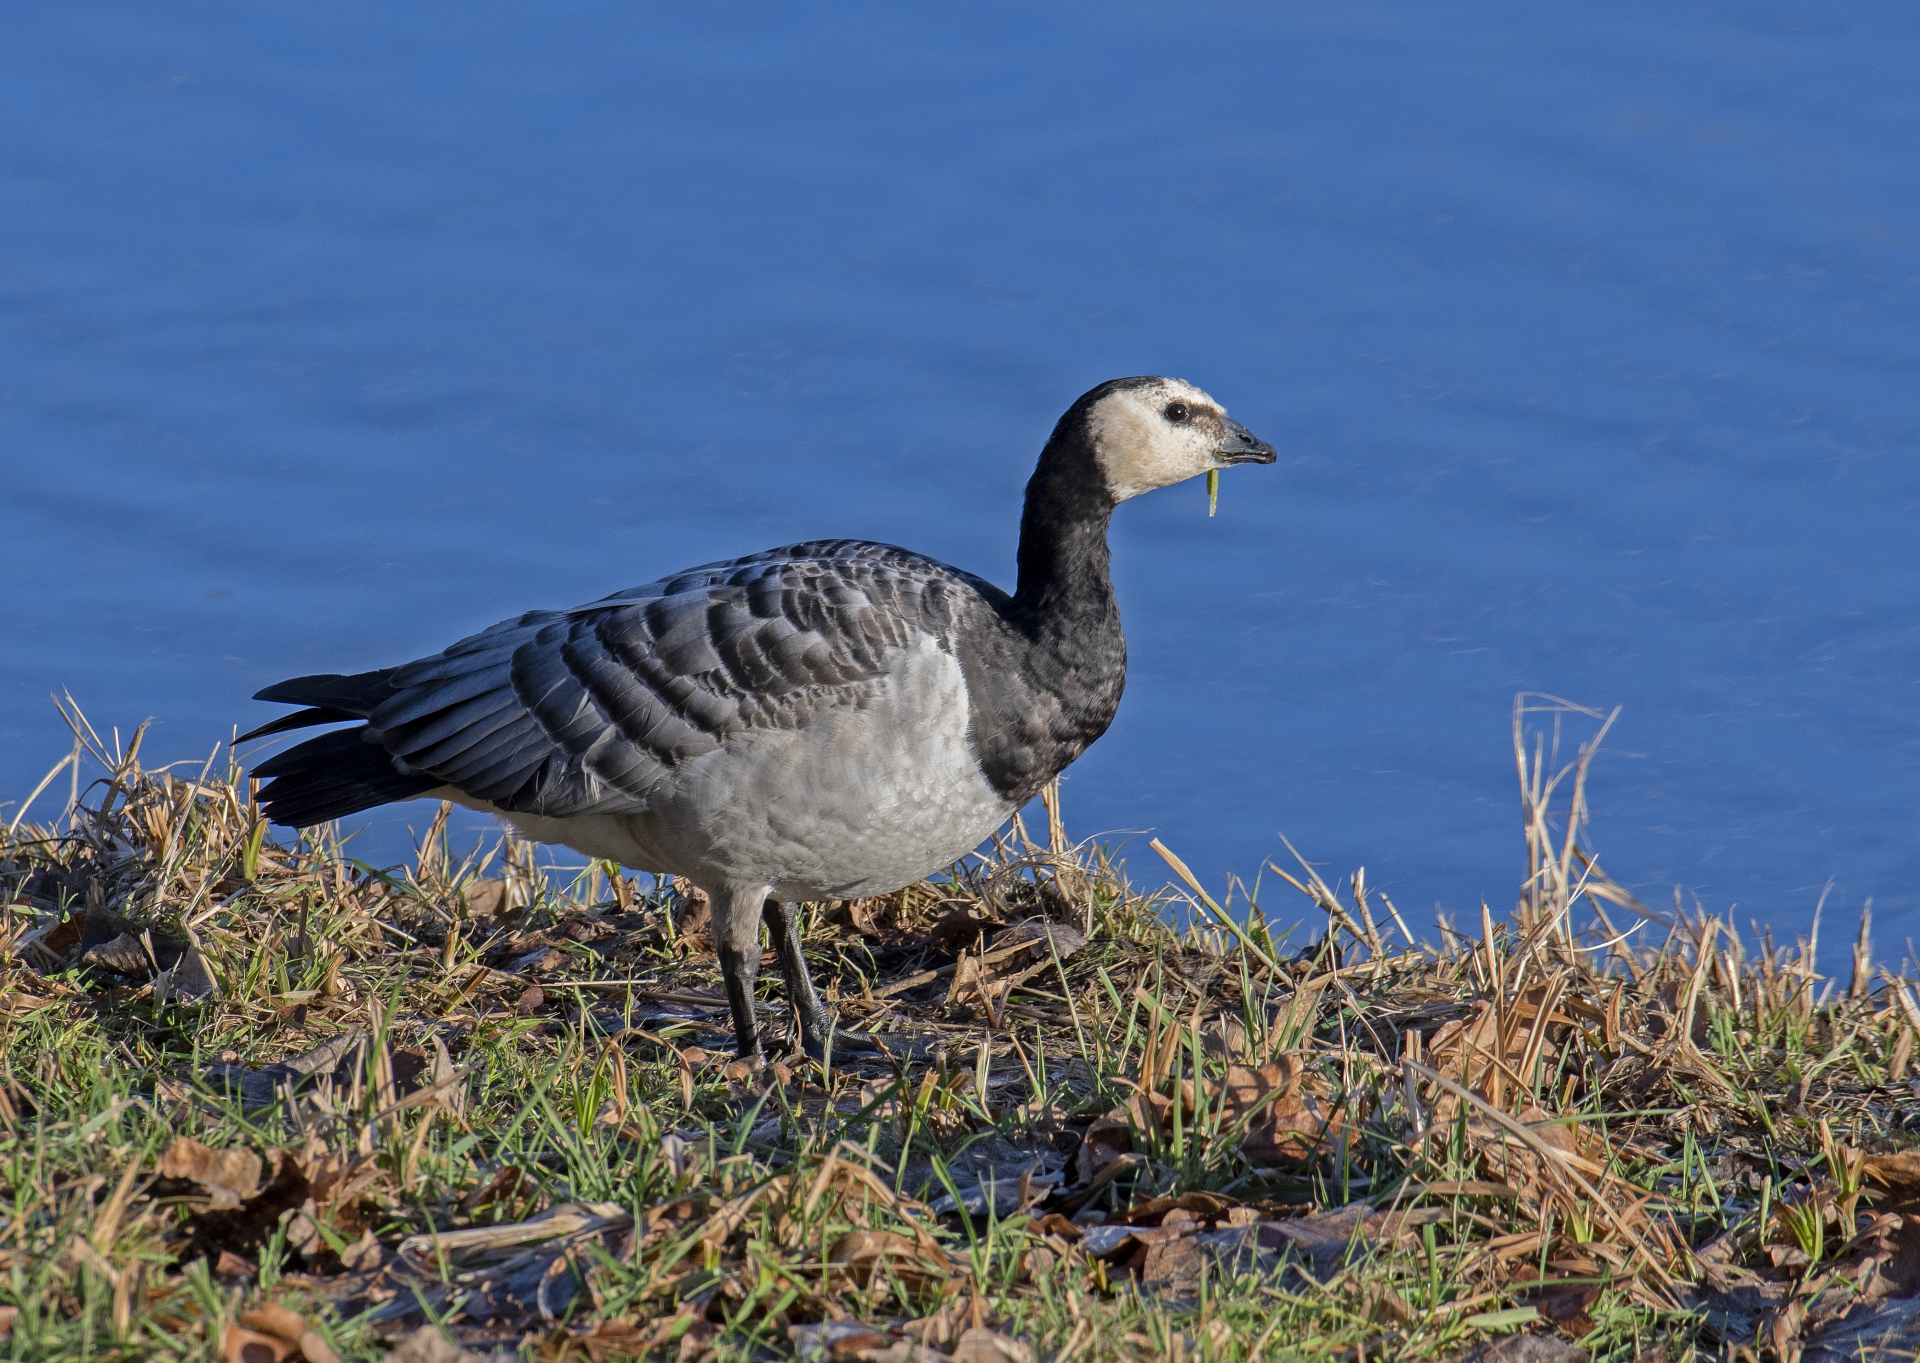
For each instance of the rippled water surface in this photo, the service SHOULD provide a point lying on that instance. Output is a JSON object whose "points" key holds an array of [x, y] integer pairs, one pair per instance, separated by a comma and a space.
{"points": [[1588, 334]]}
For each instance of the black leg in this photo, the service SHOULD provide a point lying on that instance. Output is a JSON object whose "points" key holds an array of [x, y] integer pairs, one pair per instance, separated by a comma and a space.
{"points": [[783, 925], [738, 968]]}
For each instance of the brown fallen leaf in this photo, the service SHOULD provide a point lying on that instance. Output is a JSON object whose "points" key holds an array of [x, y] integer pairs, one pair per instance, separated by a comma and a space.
{"points": [[1521, 1166], [274, 1319], [230, 1176], [1191, 1206], [856, 914], [230, 1269], [1898, 1173], [902, 1351], [1566, 1304], [123, 955], [943, 1326], [428, 1345], [1174, 1257], [1290, 1114], [865, 1253], [241, 1345], [694, 911], [315, 1349], [1288, 1111], [1889, 1249], [982, 1345], [766, 1071], [503, 1187], [1784, 1328], [960, 927], [1328, 1240], [1733, 1297], [65, 936], [363, 1255], [613, 1340], [337, 1182], [1111, 1136], [290, 1328], [1488, 1051], [1106, 1140], [836, 1339], [485, 898]]}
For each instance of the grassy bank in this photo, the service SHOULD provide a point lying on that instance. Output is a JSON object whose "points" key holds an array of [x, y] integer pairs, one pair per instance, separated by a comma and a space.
{"points": [[261, 1101]]}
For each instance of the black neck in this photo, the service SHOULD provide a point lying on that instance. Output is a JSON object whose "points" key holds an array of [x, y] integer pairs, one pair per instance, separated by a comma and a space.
{"points": [[1043, 692], [1065, 578]]}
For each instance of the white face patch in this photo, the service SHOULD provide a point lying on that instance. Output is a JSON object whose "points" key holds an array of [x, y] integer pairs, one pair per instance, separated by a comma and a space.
{"points": [[1140, 449]]}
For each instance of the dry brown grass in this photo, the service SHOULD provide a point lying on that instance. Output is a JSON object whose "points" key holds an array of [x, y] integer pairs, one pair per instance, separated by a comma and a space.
{"points": [[257, 1095]]}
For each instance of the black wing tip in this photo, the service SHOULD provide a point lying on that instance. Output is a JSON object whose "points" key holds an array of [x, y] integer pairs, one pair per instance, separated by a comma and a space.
{"points": [[299, 719], [331, 776], [339, 751], [358, 693], [307, 809], [299, 801], [295, 690]]}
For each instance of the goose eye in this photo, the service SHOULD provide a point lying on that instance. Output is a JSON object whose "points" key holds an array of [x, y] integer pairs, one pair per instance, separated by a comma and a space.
{"points": [[1177, 413]]}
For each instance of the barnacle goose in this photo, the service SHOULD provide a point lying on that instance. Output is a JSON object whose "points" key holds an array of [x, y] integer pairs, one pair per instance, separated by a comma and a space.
{"points": [[822, 721]]}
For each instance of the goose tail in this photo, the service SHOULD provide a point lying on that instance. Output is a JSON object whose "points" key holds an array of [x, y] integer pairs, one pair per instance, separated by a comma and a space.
{"points": [[335, 774]]}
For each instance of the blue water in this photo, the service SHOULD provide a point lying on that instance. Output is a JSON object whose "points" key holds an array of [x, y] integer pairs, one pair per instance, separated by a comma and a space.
{"points": [[1588, 333]]}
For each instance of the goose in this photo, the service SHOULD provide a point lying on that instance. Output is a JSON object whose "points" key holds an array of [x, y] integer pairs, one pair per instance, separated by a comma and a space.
{"points": [[824, 721]]}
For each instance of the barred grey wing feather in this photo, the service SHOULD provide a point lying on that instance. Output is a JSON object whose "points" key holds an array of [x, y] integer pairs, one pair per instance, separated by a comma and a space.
{"points": [[562, 713]]}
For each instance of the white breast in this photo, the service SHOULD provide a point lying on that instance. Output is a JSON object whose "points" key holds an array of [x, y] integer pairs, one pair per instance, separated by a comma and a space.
{"points": [[866, 798]]}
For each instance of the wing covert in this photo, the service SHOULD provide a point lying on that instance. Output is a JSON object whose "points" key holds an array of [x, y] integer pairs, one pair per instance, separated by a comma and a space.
{"points": [[590, 710]]}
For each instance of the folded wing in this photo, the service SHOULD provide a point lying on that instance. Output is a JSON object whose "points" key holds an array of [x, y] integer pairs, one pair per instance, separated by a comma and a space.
{"points": [[591, 710]]}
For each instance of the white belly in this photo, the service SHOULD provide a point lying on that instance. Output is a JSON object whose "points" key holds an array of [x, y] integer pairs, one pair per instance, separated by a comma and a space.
{"points": [[863, 800]]}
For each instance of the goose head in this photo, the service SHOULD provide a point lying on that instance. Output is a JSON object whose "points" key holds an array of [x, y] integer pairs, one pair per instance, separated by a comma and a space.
{"points": [[1146, 433]]}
